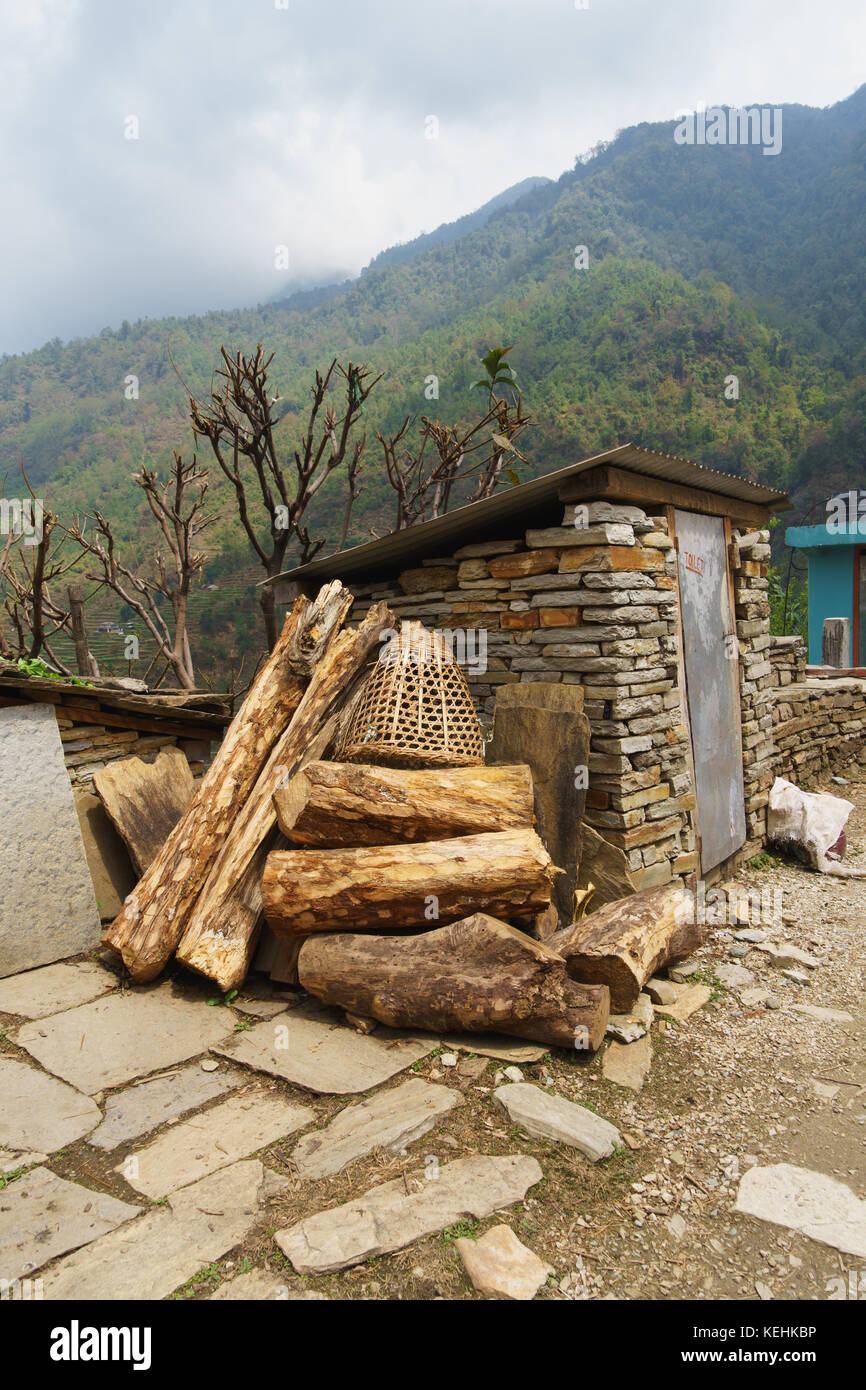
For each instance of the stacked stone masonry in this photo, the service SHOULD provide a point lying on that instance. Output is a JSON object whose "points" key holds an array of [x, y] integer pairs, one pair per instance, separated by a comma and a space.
{"points": [[592, 602], [793, 726], [87, 748]]}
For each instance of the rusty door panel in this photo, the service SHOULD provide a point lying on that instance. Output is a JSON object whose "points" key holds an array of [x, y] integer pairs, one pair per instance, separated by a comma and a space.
{"points": [[713, 685]]}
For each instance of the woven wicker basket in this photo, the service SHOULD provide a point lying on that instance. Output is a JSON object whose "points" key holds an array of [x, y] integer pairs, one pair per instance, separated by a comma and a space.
{"points": [[415, 709]]}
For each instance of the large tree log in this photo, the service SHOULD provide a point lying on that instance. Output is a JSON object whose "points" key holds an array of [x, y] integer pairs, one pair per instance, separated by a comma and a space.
{"points": [[478, 975], [341, 804], [624, 943], [508, 874], [222, 929], [155, 913]]}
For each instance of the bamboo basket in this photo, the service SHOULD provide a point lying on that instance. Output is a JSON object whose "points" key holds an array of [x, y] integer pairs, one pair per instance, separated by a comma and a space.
{"points": [[415, 709]]}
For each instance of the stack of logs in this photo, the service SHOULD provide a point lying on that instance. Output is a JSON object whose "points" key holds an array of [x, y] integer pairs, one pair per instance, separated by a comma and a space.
{"points": [[411, 897]]}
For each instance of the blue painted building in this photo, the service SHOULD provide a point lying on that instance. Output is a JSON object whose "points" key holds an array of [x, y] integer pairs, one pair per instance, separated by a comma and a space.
{"points": [[836, 556]]}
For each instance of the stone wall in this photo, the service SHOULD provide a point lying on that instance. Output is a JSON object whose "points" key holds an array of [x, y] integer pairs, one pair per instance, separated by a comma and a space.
{"points": [[87, 748], [793, 726], [592, 604]]}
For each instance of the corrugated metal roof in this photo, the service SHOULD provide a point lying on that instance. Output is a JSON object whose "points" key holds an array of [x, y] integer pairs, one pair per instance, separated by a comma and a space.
{"points": [[521, 504]]}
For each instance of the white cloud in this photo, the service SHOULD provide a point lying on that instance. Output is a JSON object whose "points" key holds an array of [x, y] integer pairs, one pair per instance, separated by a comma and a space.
{"points": [[305, 126]]}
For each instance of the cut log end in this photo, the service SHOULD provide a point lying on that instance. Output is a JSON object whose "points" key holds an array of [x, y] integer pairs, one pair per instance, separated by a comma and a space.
{"points": [[624, 943]]}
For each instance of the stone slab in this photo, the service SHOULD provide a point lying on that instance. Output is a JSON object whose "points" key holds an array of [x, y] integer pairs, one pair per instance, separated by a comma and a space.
{"points": [[734, 976], [501, 1266], [158, 1252], [805, 1201], [391, 1119], [148, 1104], [783, 955], [754, 996], [38, 1112], [690, 998], [630, 1026], [258, 1285], [111, 873], [21, 1158], [42, 1216], [533, 725], [122, 1036], [212, 1139], [47, 905], [628, 1064], [55, 988], [260, 1008], [823, 1015], [501, 1049], [552, 1117], [307, 1048], [661, 991], [394, 1215]]}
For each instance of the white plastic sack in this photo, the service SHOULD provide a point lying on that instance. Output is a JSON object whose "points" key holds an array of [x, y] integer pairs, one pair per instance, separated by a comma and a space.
{"points": [[813, 820]]}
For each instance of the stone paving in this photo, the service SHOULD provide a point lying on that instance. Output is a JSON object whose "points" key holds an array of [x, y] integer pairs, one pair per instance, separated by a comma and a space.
{"points": [[163, 1142], [42, 1215], [184, 1093]]}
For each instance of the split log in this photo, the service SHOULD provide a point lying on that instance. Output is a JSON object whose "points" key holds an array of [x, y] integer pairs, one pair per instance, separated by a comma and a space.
{"points": [[222, 929], [156, 912], [145, 801], [343, 804], [508, 874], [478, 975], [624, 943]]}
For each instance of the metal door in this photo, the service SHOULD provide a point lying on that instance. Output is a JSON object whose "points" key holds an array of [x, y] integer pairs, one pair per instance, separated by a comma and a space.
{"points": [[713, 685]]}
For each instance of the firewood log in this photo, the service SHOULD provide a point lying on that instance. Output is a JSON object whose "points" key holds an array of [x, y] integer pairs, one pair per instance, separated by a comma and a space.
{"points": [[478, 975], [341, 804], [508, 873], [624, 943], [222, 929], [154, 915]]}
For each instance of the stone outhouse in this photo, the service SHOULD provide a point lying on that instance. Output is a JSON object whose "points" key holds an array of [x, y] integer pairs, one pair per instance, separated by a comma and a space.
{"points": [[640, 577]]}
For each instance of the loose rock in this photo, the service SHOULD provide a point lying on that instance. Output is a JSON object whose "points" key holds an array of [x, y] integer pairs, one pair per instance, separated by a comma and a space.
{"points": [[388, 1217], [500, 1266], [805, 1201], [552, 1117]]}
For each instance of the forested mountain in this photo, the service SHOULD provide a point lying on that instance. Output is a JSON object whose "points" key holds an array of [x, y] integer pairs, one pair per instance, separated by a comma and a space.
{"points": [[703, 262]]}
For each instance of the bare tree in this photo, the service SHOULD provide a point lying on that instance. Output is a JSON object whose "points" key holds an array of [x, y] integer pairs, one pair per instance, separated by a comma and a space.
{"points": [[470, 458], [177, 504], [29, 569], [273, 495]]}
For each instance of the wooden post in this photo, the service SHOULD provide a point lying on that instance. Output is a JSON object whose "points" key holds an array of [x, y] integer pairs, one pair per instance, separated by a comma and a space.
{"points": [[836, 643], [85, 662]]}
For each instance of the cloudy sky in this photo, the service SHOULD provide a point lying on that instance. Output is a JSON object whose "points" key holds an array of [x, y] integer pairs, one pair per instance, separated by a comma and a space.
{"points": [[304, 124]]}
